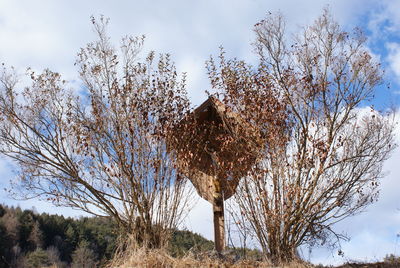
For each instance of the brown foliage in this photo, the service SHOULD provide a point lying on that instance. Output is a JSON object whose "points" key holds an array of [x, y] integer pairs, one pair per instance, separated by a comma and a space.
{"points": [[214, 143], [324, 154]]}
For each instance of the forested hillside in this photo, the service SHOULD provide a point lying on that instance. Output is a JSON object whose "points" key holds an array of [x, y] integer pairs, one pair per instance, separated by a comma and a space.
{"points": [[29, 239]]}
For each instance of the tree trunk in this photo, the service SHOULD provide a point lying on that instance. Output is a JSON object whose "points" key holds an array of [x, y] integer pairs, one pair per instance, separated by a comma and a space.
{"points": [[283, 254]]}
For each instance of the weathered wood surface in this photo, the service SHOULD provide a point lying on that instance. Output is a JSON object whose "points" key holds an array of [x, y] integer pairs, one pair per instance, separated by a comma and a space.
{"points": [[215, 148], [219, 148]]}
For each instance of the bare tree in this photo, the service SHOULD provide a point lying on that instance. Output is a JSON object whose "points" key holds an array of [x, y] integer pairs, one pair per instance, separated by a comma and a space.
{"points": [[53, 255], [323, 159], [84, 257], [100, 148], [36, 236]]}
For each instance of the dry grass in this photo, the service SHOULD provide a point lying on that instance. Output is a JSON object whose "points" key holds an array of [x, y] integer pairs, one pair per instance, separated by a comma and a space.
{"points": [[161, 259]]}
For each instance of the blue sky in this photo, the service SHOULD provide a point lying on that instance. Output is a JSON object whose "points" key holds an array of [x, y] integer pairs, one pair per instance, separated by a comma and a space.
{"points": [[47, 33]]}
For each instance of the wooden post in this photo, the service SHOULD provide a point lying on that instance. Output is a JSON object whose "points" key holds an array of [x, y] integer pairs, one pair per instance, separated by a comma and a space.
{"points": [[219, 223]]}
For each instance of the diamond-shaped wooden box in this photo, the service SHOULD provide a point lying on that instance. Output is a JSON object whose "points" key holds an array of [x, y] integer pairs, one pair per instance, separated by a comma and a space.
{"points": [[215, 147]]}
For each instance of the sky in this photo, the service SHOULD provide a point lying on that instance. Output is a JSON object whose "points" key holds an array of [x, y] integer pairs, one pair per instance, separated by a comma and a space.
{"points": [[48, 34]]}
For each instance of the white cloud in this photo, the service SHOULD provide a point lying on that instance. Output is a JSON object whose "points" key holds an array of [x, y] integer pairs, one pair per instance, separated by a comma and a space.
{"points": [[393, 58], [384, 18], [48, 34]]}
